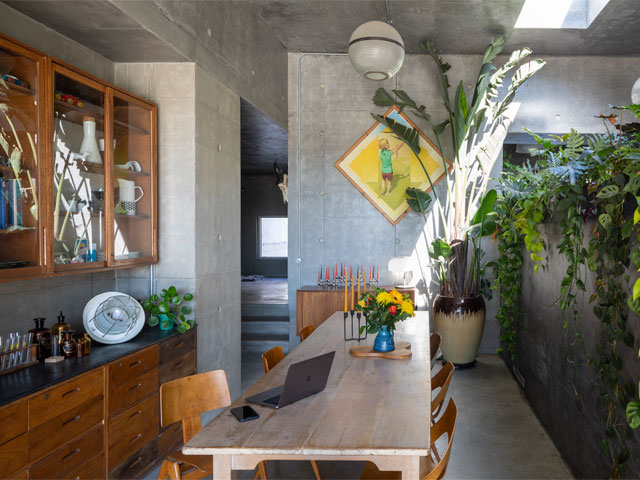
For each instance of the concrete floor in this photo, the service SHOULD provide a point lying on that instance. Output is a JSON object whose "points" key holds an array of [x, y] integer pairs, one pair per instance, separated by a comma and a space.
{"points": [[265, 291]]}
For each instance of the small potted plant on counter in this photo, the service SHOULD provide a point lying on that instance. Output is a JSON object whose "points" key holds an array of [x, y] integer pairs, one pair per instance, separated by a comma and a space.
{"points": [[168, 309]]}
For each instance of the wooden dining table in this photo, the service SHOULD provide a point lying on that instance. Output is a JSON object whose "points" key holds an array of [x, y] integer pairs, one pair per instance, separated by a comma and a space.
{"points": [[372, 409]]}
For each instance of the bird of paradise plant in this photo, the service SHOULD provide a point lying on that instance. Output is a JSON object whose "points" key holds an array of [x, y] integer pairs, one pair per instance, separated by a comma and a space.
{"points": [[478, 129]]}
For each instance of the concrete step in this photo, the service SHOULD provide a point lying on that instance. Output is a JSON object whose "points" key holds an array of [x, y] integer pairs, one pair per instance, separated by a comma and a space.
{"points": [[263, 342], [265, 310], [257, 326]]}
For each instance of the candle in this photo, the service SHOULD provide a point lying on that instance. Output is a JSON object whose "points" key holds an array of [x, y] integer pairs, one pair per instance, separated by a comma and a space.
{"points": [[328, 274], [320, 275], [364, 280], [353, 285], [345, 290], [377, 273], [358, 283]]}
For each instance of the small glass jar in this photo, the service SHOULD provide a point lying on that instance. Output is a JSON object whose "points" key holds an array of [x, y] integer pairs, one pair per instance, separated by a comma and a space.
{"points": [[87, 344], [80, 347], [68, 345]]}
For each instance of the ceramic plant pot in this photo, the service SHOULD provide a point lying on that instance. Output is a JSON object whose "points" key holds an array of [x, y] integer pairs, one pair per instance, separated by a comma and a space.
{"points": [[460, 322], [384, 341]]}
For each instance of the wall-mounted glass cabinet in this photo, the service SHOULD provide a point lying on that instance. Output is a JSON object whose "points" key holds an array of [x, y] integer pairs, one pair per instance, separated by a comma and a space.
{"points": [[77, 170]]}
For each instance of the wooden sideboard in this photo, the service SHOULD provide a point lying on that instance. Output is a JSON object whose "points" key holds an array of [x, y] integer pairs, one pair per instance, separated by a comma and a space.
{"points": [[103, 423], [315, 304]]}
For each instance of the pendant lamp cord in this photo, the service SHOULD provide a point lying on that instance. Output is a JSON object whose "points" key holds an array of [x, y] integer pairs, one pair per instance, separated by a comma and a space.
{"points": [[389, 21]]}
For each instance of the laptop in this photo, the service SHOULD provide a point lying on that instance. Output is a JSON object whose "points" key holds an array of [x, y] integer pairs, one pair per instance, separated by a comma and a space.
{"points": [[304, 379]]}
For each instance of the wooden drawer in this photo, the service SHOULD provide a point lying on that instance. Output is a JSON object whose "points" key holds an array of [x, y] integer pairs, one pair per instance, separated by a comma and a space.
{"points": [[14, 455], [14, 420], [91, 470], [170, 439], [177, 346], [48, 436], [133, 429], [57, 400], [23, 475], [71, 457], [132, 366], [177, 368], [132, 391], [137, 464]]}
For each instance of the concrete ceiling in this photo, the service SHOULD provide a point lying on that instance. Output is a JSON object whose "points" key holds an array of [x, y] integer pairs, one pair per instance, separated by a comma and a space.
{"points": [[262, 141], [455, 26]]}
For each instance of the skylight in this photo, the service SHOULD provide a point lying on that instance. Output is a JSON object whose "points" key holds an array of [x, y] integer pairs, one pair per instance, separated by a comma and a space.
{"points": [[559, 13]]}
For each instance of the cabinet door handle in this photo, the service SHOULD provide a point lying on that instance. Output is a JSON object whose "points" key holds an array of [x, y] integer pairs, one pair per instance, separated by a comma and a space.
{"points": [[70, 454], [137, 385], [179, 344], [135, 414], [70, 392], [135, 462], [179, 364], [137, 362], [77, 417], [135, 438]]}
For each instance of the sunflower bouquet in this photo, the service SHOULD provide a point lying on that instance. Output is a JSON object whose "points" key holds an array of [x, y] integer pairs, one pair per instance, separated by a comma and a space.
{"points": [[382, 308]]}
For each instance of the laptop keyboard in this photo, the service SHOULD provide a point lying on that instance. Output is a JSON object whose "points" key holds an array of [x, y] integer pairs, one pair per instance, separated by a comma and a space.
{"points": [[273, 400]]}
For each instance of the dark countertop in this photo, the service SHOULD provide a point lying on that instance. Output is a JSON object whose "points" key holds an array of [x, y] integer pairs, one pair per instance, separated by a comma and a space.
{"points": [[15, 385]]}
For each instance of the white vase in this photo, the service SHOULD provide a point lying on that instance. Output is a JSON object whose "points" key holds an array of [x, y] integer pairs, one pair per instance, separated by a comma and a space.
{"points": [[89, 145]]}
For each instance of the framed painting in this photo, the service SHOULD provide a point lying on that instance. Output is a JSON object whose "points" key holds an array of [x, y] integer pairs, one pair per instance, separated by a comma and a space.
{"points": [[382, 167]]}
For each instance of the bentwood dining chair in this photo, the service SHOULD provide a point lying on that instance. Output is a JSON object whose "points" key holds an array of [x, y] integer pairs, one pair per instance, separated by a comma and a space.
{"points": [[270, 359], [429, 469], [434, 346], [184, 399], [440, 380], [305, 332]]}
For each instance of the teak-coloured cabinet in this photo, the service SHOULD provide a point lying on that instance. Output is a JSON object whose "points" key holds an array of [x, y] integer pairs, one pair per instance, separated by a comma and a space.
{"points": [[78, 170], [104, 423]]}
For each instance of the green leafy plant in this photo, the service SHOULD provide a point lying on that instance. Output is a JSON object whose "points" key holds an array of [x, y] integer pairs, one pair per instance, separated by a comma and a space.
{"points": [[478, 126], [169, 307], [382, 308]]}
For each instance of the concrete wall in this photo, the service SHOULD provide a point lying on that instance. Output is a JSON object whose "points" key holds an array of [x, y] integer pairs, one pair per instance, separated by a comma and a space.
{"points": [[227, 39], [564, 395], [260, 197], [199, 202], [329, 220], [20, 302]]}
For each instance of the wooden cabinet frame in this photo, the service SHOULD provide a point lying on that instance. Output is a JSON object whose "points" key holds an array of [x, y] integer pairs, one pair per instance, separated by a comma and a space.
{"points": [[47, 67]]}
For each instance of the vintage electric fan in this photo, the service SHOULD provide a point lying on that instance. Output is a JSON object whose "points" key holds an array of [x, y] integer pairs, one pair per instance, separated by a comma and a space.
{"points": [[113, 317]]}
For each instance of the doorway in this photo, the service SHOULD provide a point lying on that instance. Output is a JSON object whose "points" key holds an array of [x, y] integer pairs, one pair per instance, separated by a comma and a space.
{"points": [[264, 239]]}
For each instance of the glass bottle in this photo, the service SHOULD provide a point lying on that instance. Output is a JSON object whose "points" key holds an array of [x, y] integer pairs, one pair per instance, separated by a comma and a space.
{"points": [[87, 344], [68, 344], [61, 326], [42, 337]]}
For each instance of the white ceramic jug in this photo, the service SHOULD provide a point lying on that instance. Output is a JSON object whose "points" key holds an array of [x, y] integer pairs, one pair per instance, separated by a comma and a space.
{"points": [[89, 145], [128, 198]]}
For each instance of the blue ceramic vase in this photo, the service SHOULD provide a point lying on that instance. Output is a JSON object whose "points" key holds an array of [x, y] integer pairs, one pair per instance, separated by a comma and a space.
{"points": [[384, 341]]}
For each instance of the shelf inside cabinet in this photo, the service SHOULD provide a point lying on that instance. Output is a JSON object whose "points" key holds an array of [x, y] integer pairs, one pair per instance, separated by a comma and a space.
{"points": [[74, 114], [18, 89], [8, 231], [124, 126]]}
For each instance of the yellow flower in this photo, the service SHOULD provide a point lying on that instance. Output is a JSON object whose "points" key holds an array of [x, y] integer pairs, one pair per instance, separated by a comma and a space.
{"points": [[407, 307], [397, 296], [361, 304], [384, 298]]}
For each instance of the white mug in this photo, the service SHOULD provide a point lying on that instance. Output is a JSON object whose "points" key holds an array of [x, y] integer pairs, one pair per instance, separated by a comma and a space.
{"points": [[128, 198]]}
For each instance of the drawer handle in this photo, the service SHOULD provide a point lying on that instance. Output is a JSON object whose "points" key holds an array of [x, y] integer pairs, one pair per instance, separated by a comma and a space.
{"points": [[179, 344], [70, 392], [135, 414], [77, 417], [137, 385], [137, 362], [179, 364], [135, 438], [70, 454], [135, 462]]}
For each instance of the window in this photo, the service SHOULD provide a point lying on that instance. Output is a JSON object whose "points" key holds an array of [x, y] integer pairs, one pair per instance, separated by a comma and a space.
{"points": [[559, 13], [273, 237]]}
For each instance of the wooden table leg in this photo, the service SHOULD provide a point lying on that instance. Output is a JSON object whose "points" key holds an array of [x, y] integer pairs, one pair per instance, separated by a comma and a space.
{"points": [[410, 468], [222, 468]]}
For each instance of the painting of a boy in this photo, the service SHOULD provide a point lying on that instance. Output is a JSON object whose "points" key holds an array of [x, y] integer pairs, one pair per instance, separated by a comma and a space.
{"points": [[386, 154]]}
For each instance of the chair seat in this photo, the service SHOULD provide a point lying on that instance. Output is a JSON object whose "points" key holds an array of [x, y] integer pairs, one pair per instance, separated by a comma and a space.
{"points": [[204, 463], [371, 472]]}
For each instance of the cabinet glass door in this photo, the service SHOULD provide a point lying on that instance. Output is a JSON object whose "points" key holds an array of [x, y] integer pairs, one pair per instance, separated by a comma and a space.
{"points": [[78, 201], [21, 158], [133, 181]]}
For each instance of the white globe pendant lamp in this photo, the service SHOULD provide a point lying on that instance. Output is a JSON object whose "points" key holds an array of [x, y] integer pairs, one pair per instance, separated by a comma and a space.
{"points": [[635, 92], [376, 50]]}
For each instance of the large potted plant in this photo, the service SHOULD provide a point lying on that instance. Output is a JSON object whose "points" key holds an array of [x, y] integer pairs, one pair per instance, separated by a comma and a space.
{"points": [[478, 129]]}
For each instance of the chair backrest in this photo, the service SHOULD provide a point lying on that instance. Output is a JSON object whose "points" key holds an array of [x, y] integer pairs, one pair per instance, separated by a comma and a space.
{"points": [[446, 424], [186, 398], [272, 357], [305, 332], [434, 345], [440, 380]]}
